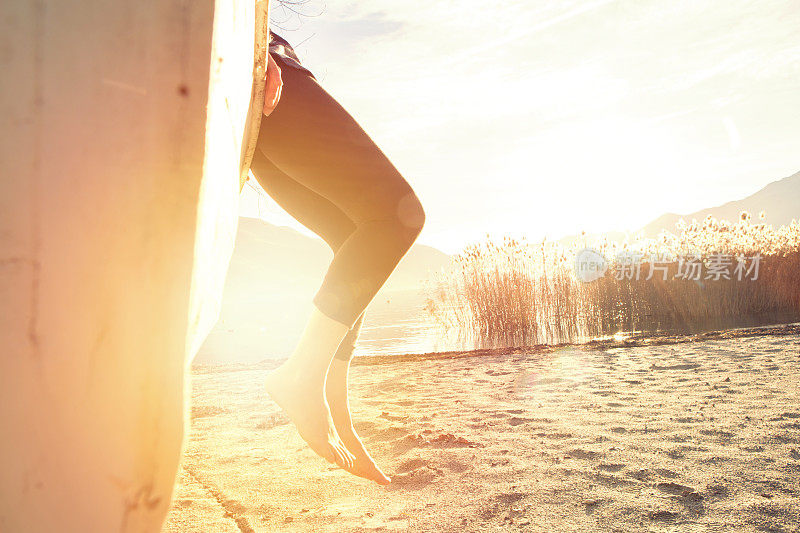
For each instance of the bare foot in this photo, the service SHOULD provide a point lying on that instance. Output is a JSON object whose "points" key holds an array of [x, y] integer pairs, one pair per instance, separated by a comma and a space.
{"points": [[303, 399], [336, 393]]}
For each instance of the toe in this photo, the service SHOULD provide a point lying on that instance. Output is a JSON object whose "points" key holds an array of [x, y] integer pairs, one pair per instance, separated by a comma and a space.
{"points": [[339, 455], [348, 457], [376, 474], [381, 478]]}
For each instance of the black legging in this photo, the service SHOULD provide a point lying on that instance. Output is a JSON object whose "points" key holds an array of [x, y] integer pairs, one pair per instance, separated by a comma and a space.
{"points": [[325, 171]]}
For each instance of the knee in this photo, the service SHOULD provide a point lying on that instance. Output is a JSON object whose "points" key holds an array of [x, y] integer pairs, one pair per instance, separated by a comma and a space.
{"points": [[409, 216], [394, 217]]}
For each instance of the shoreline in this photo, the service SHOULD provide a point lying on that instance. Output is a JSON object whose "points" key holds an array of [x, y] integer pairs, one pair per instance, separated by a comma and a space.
{"points": [[778, 330]]}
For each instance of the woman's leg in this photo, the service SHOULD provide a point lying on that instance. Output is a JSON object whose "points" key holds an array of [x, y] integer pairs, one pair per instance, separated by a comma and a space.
{"points": [[311, 139], [313, 211], [329, 222], [317, 214]]}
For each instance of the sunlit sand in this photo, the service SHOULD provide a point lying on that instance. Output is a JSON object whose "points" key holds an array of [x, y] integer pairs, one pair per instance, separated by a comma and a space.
{"points": [[690, 435]]}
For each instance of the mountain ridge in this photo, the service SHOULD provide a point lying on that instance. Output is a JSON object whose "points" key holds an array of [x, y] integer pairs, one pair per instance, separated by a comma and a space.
{"points": [[778, 199]]}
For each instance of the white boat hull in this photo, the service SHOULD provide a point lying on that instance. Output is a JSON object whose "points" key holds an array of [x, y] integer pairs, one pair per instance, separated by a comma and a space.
{"points": [[118, 201]]}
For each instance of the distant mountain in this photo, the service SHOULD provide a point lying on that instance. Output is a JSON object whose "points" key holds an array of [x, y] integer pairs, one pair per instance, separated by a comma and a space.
{"points": [[281, 255], [273, 275], [780, 200]]}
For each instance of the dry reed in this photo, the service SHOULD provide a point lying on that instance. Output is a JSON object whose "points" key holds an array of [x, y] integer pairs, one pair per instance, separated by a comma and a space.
{"points": [[514, 293]]}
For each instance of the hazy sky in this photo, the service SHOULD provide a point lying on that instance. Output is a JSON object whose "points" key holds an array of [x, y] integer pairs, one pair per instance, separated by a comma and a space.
{"points": [[546, 118]]}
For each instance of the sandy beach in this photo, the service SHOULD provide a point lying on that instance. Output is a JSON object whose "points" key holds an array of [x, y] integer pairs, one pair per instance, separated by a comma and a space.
{"points": [[697, 436]]}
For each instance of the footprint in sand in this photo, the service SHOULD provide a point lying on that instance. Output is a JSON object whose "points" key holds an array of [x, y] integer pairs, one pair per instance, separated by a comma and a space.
{"points": [[578, 453], [411, 465], [501, 504], [447, 440], [641, 475], [784, 416], [663, 516], [610, 480], [456, 466], [716, 433], [717, 491], [415, 474], [365, 428], [441, 440], [665, 472], [391, 433], [511, 497], [672, 488], [395, 418], [785, 438], [682, 492], [611, 467]]}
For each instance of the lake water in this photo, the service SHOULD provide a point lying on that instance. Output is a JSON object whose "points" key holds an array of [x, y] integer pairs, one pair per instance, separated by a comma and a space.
{"points": [[266, 324], [397, 323]]}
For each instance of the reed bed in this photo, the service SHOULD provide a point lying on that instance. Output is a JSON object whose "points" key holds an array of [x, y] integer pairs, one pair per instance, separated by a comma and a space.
{"points": [[514, 293]]}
